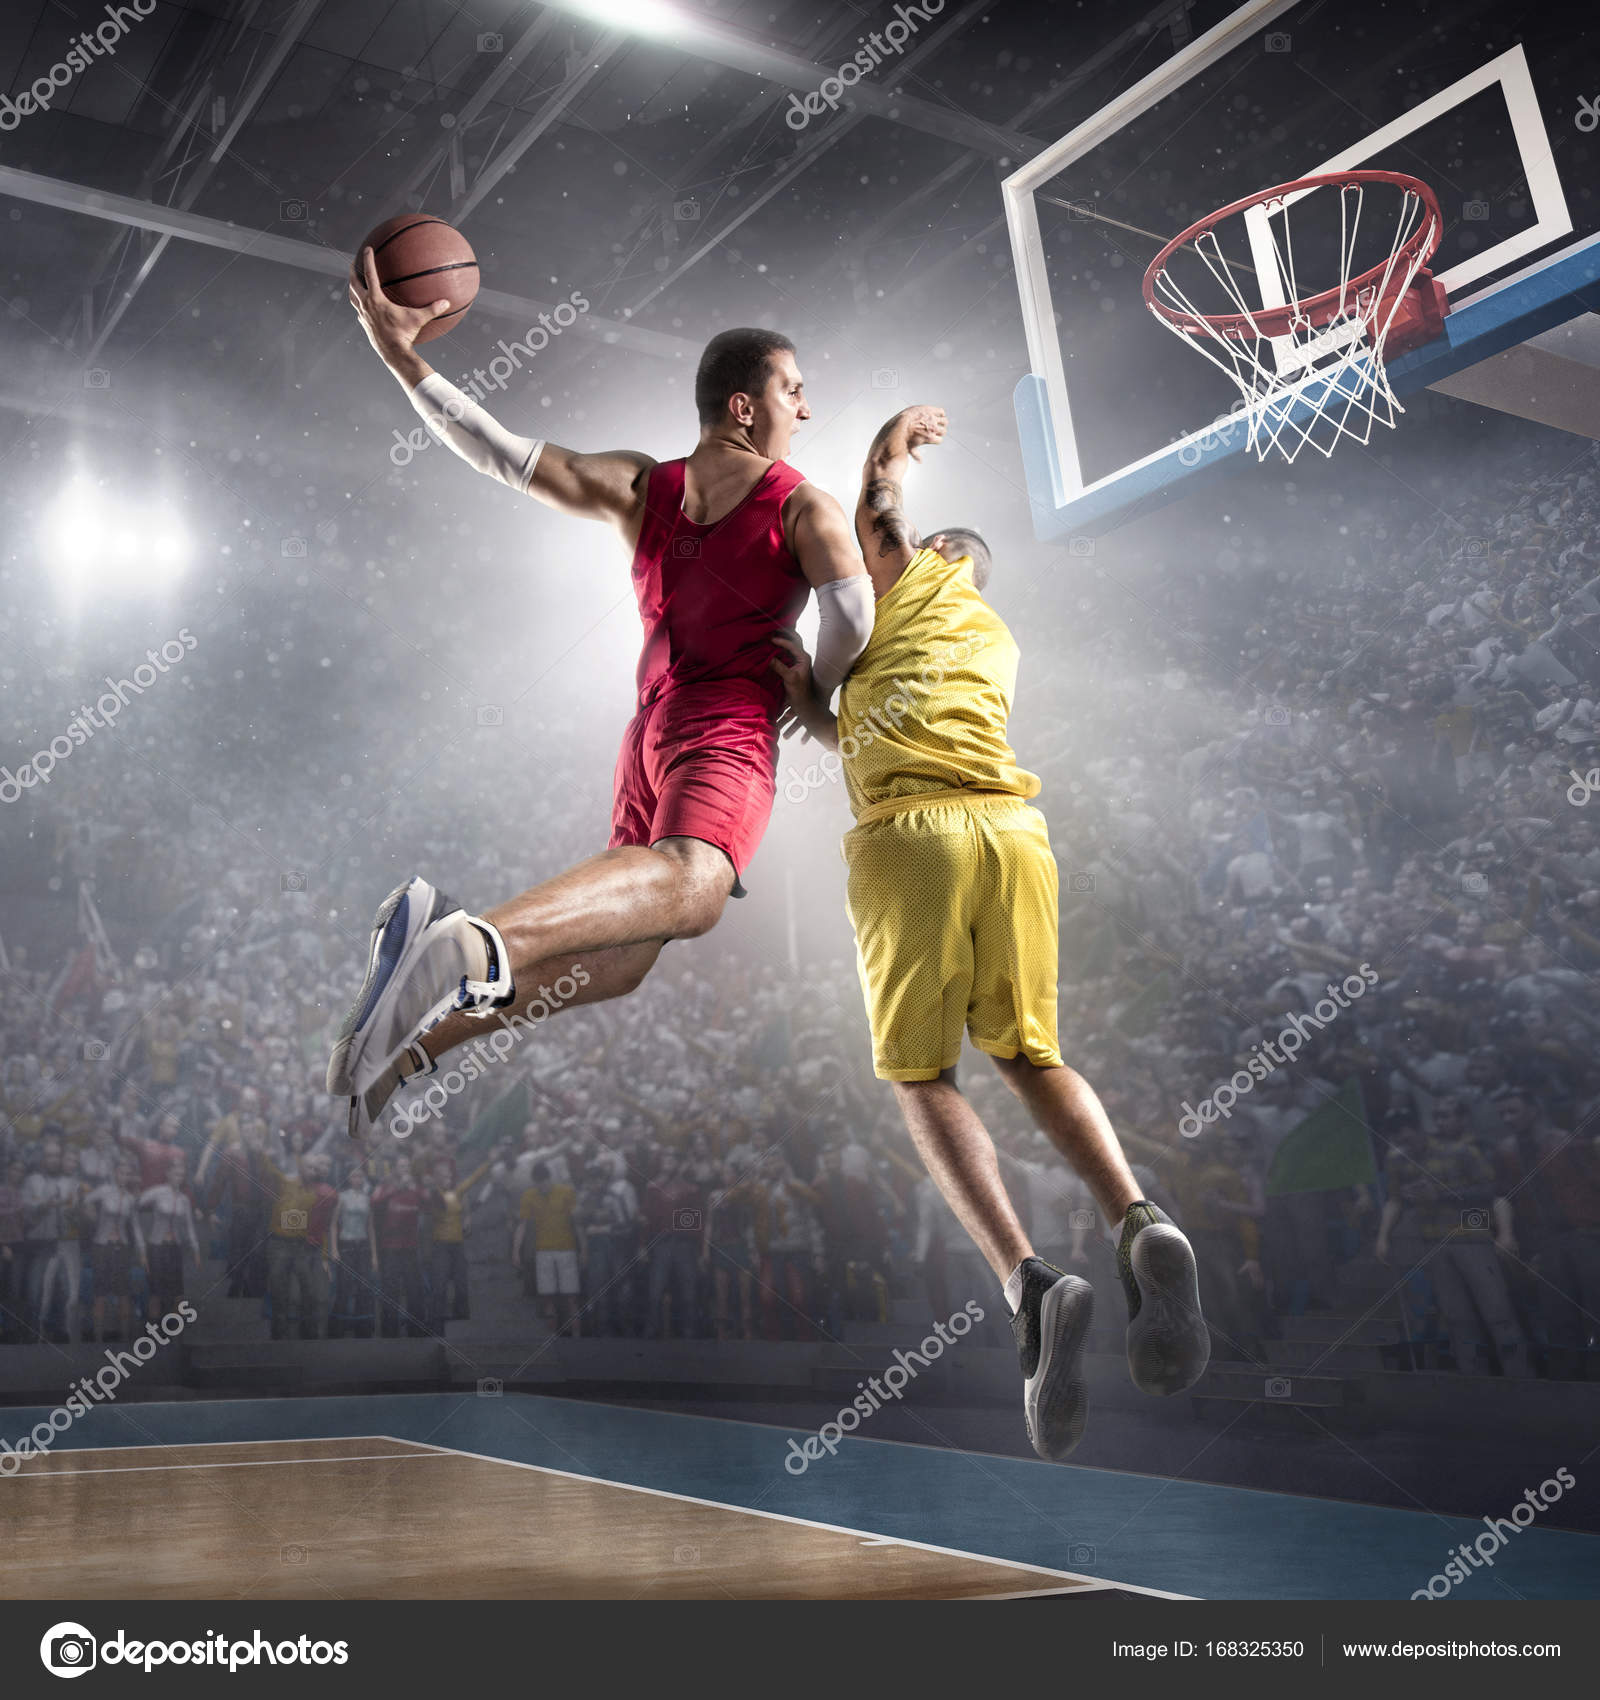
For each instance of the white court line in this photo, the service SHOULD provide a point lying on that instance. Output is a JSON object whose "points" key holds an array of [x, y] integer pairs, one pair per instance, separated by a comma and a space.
{"points": [[236, 1464], [1086, 1584], [173, 1445]]}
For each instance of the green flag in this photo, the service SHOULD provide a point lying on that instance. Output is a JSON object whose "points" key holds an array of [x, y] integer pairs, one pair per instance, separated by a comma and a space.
{"points": [[505, 1118], [1139, 1015], [1330, 1148]]}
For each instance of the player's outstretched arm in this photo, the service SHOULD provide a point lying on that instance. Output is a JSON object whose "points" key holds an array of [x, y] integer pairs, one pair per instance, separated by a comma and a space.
{"points": [[609, 487], [888, 538]]}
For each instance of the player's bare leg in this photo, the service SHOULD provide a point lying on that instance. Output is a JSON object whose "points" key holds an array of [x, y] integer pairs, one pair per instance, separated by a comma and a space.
{"points": [[1168, 1342], [958, 1153], [1050, 1310], [600, 974], [1066, 1108], [430, 960], [674, 889]]}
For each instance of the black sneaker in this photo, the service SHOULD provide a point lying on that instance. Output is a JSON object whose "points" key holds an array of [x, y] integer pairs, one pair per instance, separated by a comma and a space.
{"points": [[1168, 1343], [1050, 1327]]}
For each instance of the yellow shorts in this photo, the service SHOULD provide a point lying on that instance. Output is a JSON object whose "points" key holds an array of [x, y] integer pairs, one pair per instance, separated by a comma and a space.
{"points": [[956, 907]]}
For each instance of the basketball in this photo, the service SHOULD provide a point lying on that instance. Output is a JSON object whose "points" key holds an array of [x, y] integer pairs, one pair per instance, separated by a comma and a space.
{"points": [[421, 259]]}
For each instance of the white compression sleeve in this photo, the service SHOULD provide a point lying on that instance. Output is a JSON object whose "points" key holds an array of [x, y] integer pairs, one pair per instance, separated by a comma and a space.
{"points": [[475, 434], [845, 608]]}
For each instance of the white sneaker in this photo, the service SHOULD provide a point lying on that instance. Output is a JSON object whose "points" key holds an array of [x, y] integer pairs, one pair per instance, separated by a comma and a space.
{"points": [[426, 952]]}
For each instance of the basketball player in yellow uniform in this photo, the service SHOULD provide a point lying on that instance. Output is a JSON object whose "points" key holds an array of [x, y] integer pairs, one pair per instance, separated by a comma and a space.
{"points": [[953, 895]]}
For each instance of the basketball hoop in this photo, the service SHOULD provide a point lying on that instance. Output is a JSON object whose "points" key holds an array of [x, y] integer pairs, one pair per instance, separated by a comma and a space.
{"points": [[1311, 368]]}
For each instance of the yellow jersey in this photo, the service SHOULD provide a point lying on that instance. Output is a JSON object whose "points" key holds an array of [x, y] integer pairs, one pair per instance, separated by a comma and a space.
{"points": [[925, 708], [551, 1215]]}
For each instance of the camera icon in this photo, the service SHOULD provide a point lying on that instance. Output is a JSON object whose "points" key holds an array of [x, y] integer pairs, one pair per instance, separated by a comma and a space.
{"points": [[68, 1649], [1081, 882], [1081, 546], [1081, 1219], [686, 1221], [686, 212], [1279, 1387], [490, 1387], [1475, 212], [685, 548], [95, 1050], [292, 1221], [686, 1555], [1277, 716], [1279, 42], [489, 42], [1475, 1221], [491, 714], [1080, 211], [96, 378], [292, 548], [293, 212], [1080, 1552], [885, 378], [1475, 885], [1477, 547], [291, 1555], [294, 880]]}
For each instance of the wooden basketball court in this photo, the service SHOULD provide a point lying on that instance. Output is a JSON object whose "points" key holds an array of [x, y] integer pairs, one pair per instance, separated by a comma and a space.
{"points": [[499, 1495], [371, 1517]]}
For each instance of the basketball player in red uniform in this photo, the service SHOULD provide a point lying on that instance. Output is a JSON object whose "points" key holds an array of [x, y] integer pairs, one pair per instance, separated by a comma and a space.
{"points": [[727, 545]]}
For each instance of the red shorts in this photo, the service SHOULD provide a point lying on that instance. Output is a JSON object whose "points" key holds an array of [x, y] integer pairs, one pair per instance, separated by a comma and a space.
{"points": [[701, 761]]}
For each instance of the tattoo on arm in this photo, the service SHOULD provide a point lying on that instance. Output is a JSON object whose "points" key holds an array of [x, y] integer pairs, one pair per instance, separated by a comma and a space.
{"points": [[883, 499]]}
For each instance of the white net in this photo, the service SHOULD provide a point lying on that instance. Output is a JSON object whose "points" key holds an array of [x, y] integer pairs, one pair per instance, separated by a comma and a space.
{"points": [[1310, 366]]}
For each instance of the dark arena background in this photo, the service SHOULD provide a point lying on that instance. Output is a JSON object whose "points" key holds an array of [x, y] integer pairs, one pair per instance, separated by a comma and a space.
{"points": [[267, 649]]}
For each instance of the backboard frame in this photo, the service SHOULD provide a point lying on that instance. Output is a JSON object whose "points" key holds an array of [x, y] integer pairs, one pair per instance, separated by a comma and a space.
{"points": [[1546, 294]]}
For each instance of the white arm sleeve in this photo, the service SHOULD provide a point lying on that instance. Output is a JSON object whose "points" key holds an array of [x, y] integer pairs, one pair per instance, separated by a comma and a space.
{"points": [[475, 434], [846, 610]]}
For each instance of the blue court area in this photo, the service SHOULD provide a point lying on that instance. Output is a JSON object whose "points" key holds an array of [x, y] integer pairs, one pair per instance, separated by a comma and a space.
{"points": [[1177, 1537]]}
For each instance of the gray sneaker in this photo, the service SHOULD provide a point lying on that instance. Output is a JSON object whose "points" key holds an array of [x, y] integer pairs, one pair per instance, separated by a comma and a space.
{"points": [[418, 972], [1169, 1345], [1050, 1327]]}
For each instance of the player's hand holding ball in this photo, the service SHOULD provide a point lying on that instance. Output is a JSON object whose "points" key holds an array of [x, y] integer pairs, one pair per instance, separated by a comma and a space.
{"points": [[391, 328], [411, 281]]}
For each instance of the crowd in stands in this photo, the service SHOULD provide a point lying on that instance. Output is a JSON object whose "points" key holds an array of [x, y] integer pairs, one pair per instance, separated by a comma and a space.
{"points": [[1370, 753]]}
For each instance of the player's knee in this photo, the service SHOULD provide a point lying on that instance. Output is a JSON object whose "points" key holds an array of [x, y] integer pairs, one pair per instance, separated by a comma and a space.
{"points": [[704, 878]]}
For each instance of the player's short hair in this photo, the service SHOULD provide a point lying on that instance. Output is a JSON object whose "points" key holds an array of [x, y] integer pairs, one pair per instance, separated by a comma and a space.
{"points": [[733, 362], [963, 540]]}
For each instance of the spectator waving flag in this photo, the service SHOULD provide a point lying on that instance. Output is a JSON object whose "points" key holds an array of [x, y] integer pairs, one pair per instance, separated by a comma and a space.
{"points": [[504, 1119], [1331, 1148]]}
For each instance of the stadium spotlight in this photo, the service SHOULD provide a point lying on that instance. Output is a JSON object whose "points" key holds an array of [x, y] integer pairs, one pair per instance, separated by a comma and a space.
{"points": [[643, 17], [96, 545]]}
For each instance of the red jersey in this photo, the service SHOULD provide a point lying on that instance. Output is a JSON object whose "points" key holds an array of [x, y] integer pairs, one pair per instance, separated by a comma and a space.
{"points": [[398, 1210], [711, 596], [156, 1158]]}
